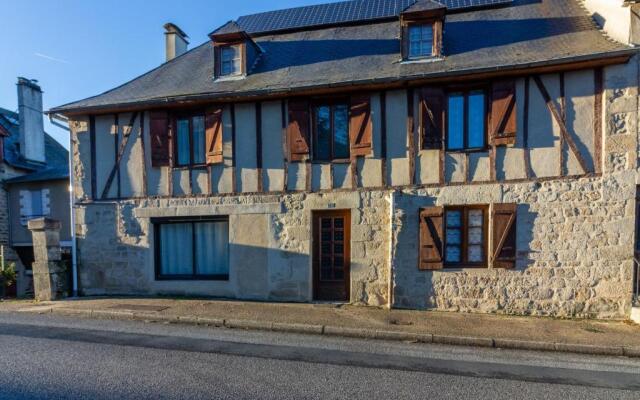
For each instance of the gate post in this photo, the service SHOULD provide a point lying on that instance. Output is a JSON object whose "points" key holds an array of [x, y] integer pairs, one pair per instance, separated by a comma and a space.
{"points": [[49, 278]]}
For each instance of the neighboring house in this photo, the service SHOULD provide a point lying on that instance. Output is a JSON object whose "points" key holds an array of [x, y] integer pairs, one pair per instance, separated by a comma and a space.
{"points": [[471, 155], [35, 180]]}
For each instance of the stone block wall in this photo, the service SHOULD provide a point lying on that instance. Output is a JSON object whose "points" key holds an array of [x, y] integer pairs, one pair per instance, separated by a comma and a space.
{"points": [[270, 245]]}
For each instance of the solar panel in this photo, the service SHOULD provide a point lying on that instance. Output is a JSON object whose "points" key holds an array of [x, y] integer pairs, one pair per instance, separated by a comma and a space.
{"points": [[342, 12]]}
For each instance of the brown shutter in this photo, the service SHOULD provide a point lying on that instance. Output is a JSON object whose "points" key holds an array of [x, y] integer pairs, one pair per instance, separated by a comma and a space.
{"points": [[431, 238], [504, 124], [214, 135], [431, 118], [504, 235], [159, 131], [360, 126], [298, 130]]}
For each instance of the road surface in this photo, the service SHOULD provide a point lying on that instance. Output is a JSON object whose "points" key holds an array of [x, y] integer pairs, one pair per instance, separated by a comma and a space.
{"points": [[53, 357]]}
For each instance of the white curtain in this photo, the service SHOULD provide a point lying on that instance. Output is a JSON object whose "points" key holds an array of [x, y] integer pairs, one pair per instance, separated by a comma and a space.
{"points": [[212, 248], [176, 248]]}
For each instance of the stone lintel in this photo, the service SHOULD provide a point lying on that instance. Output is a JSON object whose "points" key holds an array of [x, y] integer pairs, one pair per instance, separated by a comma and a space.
{"points": [[224, 209], [42, 224]]}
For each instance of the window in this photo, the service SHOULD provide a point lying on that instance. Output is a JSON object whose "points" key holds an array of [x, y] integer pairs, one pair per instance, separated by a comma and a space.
{"points": [[465, 236], [466, 120], [33, 204], [192, 249], [420, 41], [331, 131], [230, 60], [190, 140]]}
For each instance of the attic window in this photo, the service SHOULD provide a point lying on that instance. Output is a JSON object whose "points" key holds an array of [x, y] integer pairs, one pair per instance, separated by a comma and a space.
{"points": [[420, 40], [230, 60]]}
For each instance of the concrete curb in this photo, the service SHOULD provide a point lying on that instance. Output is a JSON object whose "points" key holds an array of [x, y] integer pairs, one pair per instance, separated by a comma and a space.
{"points": [[361, 333]]}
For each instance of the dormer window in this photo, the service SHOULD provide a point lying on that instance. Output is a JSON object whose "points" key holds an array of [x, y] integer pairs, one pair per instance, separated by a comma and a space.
{"points": [[230, 60], [420, 40], [422, 26], [236, 52]]}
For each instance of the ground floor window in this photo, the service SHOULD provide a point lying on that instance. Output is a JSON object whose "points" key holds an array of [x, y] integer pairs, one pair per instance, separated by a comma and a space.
{"points": [[192, 249], [465, 236]]}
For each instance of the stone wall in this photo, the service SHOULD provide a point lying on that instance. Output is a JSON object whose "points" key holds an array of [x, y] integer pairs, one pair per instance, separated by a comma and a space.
{"points": [[270, 245]]}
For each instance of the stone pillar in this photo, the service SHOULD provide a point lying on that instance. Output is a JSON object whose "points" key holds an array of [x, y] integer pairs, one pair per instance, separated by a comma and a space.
{"points": [[49, 277]]}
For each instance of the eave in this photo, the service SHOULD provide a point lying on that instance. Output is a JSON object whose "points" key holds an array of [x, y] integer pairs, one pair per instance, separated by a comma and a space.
{"points": [[386, 83]]}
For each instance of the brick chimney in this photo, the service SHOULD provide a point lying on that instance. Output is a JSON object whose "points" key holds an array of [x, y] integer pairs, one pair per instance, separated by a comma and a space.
{"points": [[31, 120], [176, 41]]}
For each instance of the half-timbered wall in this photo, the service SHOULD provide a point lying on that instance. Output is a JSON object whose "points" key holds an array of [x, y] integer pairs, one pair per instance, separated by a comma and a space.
{"points": [[570, 171]]}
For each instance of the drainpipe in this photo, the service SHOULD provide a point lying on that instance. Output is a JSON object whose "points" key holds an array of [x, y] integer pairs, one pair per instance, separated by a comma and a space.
{"points": [[391, 212], [63, 123]]}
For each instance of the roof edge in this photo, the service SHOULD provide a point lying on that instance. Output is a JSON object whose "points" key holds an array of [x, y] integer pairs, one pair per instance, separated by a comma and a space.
{"points": [[549, 66]]}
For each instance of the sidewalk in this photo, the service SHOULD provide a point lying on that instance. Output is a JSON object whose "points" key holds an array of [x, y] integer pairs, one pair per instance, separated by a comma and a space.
{"points": [[530, 333]]}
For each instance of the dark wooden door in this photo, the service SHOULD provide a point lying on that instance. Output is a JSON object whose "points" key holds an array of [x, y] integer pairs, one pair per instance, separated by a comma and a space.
{"points": [[331, 255]]}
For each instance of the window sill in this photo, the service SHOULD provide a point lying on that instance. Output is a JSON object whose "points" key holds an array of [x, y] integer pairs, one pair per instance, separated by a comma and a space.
{"points": [[164, 278], [336, 161], [422, 60], [478, 150], [231, 78], [453, 268]]}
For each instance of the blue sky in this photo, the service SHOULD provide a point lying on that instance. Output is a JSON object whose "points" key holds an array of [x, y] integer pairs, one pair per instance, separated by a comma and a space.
{"points": [[80, 48]]}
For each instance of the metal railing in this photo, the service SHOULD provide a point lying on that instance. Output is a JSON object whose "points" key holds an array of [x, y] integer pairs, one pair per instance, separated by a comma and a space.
{"points": [[636, 281]]}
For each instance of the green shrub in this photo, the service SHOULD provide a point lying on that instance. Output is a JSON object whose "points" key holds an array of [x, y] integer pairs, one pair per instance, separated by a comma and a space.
{"points": [[8, 275]]}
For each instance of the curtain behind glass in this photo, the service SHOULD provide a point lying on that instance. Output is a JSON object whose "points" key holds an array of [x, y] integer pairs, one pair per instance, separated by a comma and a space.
{"points": [[212, 248], [183, 141], [176, 247], [198, 140]]}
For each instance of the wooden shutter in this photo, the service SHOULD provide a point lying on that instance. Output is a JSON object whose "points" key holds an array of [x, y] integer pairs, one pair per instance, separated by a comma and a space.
{"points": [[431, 118], [360, 126], [431, 238], [160, 140], [503, 220], [298, 130], [213, 119], [503, 122]]}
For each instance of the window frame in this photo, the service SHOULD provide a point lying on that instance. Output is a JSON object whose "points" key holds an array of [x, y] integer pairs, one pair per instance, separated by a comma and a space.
{"points": [[465, 238], [174, 126], [158, 222], [466, 91], [240, 58], [429, 23], [242, 53], [331, 103]]}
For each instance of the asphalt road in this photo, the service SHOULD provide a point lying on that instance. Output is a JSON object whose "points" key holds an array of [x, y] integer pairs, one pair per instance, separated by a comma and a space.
{"points": [[51, 357]]}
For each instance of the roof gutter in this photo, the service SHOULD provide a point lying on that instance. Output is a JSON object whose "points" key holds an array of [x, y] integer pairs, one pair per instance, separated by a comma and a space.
{"points": [[549, 66]]}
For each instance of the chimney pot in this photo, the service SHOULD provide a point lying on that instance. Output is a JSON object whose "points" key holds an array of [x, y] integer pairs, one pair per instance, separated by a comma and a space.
{"points": [[176, 43]]}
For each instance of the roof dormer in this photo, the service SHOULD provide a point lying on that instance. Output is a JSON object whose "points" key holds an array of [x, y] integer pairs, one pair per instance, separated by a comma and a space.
{"points": [[235, 51], [422, 26]]}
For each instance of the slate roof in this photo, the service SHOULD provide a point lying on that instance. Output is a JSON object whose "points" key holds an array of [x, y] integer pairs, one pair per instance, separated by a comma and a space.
{"points": [[57, 157], [526, 33]]}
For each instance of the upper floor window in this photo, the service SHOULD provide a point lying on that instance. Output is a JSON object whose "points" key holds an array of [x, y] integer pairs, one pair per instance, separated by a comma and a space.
{"points": [[331, 131], [190, 140], [420, 40], [230, 60], [466, 120]]}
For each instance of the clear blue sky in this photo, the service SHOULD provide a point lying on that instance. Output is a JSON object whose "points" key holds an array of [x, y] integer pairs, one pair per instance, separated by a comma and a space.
{"points": [[80, 48]]}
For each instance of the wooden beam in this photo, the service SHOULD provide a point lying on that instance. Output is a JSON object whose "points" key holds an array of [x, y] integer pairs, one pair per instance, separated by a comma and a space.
{"points": [[354, 172], [563, 128], [597, 118], [525, 129], [563, 114], [259, 147], [92, 146], [466, 168], [411, 140], [116, 143], [121, 149], [285, 145], [144, 157], [383, 138], [308, 175], [234, 178]]}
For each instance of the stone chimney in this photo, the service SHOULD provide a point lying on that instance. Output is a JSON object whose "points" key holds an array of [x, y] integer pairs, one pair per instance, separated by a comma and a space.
{"points": [[620, 19], [176, 41], [31, 120]]}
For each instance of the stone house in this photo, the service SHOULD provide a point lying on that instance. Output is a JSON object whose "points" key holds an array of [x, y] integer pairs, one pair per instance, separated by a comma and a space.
{"points": [[476, 156], [34, 172]]}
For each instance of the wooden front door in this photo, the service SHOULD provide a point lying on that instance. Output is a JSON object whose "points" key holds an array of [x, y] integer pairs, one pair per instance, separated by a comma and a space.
{"points": [[331, 255]]}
